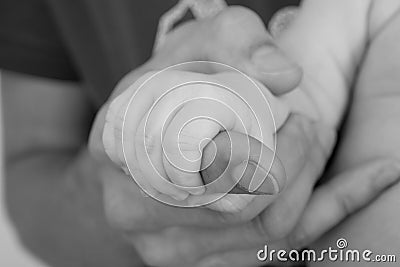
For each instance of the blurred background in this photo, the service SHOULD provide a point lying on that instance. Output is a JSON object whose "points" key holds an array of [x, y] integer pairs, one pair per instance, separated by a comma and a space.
{"points": [[11, 251]]}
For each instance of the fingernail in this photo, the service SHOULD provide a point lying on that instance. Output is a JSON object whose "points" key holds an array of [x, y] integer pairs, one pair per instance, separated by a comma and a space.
{"points": [[255, 178], [262, 180], [269, 59], [180, 196]]}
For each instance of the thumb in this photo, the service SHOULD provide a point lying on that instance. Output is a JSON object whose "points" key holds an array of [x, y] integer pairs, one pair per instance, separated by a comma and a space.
{"points": [[237, 37], [227, 164], [241, 40]]}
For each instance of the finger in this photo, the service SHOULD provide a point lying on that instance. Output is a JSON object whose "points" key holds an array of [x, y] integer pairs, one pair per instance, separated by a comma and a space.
{"points": [[235, 237], [240, 161], [128, 209], [231, 105], [302, 149], [242, 41], [148, 149], [138, 149], [105, 136], [174, 119], [309, 38], [237, 37], [342, 196], [271, 67], [184, 246], [192, 50], [112, 134], [297, 138], [261, 164], [282, 215], [126, 109], [305, 158], [257, 256], [189, 131], [275, 222]]}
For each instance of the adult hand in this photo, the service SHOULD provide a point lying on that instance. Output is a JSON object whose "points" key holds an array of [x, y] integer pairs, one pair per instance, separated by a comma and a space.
{"points": [[171, 236]]}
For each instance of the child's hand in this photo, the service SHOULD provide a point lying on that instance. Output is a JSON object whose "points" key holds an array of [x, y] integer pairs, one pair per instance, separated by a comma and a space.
{"points": [[158, 128]]}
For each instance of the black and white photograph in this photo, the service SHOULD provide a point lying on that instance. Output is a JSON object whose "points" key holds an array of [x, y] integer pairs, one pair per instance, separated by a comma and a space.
{"points": [[199, 133]]}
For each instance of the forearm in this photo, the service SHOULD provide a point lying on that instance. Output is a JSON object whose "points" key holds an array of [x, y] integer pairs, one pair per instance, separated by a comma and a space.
{"points": [[55, 200]]}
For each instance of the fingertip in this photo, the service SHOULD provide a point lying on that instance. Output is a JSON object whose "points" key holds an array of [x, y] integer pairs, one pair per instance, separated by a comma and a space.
{"points": [[180, 196], [259, 171], [269, 174], [275, 69], [281, 82]]}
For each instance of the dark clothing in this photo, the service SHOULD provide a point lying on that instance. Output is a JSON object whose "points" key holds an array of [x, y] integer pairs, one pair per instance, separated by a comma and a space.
{"points": [[93, 41]]}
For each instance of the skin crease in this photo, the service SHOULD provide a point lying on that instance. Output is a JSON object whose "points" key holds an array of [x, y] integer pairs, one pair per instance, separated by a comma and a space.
{"points": [[160, 60], [191, 138], [310, 100], [43, 199], [339, 65], [349, 36], [372, 131]]}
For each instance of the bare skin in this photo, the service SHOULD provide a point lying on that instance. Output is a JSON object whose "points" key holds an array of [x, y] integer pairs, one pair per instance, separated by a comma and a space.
{"points": [[372, 132], [55, 188], [53, 184], [53, 196]]}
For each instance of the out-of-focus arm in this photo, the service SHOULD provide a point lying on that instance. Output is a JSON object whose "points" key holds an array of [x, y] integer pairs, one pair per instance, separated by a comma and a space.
{"points": [[53, 195]]}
